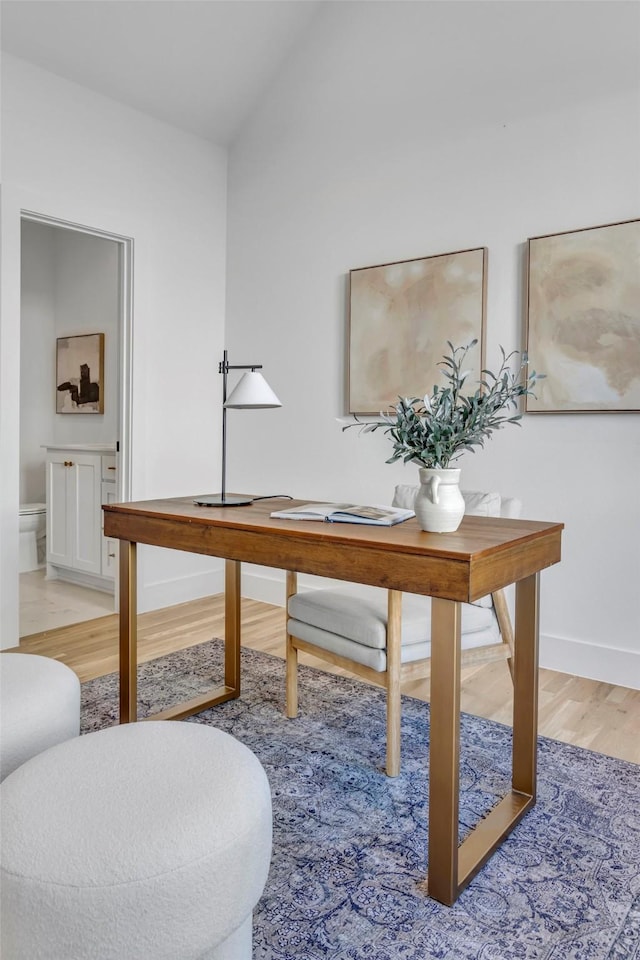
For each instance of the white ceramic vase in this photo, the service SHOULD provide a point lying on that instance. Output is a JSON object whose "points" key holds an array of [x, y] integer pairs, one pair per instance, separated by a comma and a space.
{"points": [[439, 504]]}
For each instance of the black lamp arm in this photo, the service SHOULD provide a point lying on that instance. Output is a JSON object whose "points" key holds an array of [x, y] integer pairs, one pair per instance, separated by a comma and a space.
{"points": [[224, 366]]}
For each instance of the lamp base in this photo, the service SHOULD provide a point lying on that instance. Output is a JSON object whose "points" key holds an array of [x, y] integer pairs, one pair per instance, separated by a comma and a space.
{"points": [[217, 500]]}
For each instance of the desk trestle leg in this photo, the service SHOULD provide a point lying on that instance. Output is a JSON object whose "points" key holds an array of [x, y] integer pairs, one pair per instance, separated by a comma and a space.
{"points": [[451, 867], [444, 750]]}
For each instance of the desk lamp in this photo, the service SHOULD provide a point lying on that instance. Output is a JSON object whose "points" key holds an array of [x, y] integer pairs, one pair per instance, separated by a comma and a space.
{"points": [[252, 392]]}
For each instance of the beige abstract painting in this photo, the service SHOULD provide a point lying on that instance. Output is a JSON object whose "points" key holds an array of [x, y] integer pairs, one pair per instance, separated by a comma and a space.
{"points": [[583, 319], [400, 318]]}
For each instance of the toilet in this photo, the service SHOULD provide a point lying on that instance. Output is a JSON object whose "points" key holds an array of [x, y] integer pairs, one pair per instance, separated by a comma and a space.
{"points": [[33, 522]]}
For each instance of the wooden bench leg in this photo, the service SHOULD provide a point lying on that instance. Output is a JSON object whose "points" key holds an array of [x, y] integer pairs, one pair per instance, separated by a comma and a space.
{"points": [[504, 623], [394, 663], [292, 654]]}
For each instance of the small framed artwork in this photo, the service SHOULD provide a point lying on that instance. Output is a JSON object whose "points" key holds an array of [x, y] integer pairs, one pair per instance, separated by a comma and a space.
{"points": [[80, 374], [583, 319], [401, 316]]}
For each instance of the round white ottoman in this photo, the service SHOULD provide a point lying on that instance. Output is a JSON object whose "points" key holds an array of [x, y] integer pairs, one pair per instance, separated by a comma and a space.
{"points": [[147, 841], [39, 707]]}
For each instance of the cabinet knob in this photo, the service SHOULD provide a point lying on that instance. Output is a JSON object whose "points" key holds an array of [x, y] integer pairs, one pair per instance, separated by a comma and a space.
{"points": [[111, 554], [68, 463]]}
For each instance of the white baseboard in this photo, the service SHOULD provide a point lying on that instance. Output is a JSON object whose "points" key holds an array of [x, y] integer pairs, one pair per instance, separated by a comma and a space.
{"points": [[80, 578], [591, 660]]}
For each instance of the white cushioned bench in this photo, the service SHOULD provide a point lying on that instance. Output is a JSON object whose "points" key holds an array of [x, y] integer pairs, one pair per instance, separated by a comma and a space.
{"points": [[147, 841], [39, 707]]}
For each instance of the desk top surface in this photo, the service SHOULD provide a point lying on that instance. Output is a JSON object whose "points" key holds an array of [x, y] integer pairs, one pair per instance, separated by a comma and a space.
{"points": [[475, 536], [484, 554]]}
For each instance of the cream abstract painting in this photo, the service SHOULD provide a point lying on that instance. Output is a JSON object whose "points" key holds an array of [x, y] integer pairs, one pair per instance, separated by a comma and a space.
{"points": [[584, 319], [400, 318]]}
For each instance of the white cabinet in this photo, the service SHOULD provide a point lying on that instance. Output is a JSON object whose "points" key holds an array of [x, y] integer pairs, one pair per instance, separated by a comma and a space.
{"points": [[79, 481]]}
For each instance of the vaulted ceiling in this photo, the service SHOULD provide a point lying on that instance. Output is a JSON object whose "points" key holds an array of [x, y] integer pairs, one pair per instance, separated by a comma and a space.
{"points": [[205, 65], [200, 65]]}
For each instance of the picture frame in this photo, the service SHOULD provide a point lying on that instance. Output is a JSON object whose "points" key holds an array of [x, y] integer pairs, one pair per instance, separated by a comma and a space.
{"points": [[583, 319], [401, 316], [80, 374]]}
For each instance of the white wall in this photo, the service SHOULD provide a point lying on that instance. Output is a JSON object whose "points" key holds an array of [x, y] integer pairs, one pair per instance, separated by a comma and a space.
{"points": [[404, 130], [71, 154]]}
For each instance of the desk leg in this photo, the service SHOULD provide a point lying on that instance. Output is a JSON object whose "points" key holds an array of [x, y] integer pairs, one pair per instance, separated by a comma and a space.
{"points": [[451, 867], [444, 750], [128, 634], [525, 687], [232, 625]]}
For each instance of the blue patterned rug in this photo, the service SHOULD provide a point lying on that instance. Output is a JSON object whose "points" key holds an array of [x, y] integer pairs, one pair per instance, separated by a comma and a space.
{"points": [[350, 844]]}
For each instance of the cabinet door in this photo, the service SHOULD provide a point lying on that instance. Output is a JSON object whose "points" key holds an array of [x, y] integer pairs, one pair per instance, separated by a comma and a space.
{"points": [[109, 558], [59, 534], [86, 506], [109, 547], [107, 495]]}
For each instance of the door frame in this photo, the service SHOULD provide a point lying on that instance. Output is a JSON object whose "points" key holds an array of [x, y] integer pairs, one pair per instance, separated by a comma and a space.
{"points": [[125, 344]]}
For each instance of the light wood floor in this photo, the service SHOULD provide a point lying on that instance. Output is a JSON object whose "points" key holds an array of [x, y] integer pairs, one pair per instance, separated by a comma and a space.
{"points": [[587, 713]]}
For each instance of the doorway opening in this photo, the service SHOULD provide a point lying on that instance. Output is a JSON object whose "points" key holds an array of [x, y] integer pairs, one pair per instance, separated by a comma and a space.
{"points": [[76, 281]]}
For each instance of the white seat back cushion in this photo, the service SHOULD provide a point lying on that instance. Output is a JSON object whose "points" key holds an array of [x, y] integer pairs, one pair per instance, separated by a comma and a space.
{"points": [[511, 508], [476, 502]]}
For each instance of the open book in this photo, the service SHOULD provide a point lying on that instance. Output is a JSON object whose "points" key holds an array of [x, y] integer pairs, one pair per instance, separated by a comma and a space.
{"points": [[346, 513]]}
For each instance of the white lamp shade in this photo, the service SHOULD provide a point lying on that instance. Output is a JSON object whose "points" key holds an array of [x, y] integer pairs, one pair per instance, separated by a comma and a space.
{"points": [[252, 392]]}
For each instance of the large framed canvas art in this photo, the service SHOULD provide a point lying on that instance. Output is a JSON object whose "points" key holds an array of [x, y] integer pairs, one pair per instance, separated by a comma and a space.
{"points": [[583, 319], [80, 374], [401, 316]]}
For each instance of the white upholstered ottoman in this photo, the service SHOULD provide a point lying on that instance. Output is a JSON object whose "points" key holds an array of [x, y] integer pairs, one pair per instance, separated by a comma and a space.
{"points": [[147, 841], [39, 707]]}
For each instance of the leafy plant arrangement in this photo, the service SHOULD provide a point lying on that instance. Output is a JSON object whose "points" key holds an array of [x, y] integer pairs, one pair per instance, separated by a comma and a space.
{"points": [[438, 428]]}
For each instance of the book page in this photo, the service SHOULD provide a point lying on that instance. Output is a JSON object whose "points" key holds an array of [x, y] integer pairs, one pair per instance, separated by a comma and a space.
{"points": [[311, 511], [368, 513]]}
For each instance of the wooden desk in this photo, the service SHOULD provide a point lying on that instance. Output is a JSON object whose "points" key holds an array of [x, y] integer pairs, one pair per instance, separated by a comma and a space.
{"points": [[482, 556]]}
